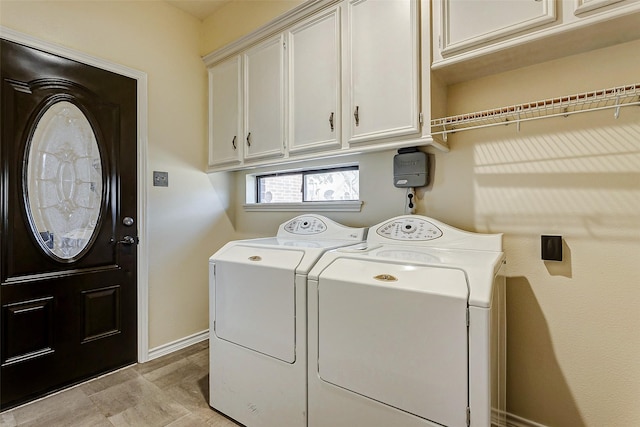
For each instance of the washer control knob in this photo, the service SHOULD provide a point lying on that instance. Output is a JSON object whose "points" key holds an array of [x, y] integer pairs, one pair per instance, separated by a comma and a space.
{"points": [[408, 228]]}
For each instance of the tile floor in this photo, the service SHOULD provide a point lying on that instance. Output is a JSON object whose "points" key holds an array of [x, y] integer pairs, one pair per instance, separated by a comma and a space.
{"points": [[169, 391]]}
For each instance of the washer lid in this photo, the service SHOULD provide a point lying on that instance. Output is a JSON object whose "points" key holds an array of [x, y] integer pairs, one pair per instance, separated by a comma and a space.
{"points": [[310, 250], [480, 267], [396, 334], [254, 295], [288, 242]]}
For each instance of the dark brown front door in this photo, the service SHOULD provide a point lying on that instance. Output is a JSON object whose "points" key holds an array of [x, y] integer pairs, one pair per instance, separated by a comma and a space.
{"points": [[68, 255]]}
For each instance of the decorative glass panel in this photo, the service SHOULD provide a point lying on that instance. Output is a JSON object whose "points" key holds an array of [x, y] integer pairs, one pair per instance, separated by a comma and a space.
{"points": [[332, 185], [64, 181]]}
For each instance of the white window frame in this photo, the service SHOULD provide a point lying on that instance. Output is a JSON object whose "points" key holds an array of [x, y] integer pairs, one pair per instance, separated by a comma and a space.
{"points": [[252, 204]]}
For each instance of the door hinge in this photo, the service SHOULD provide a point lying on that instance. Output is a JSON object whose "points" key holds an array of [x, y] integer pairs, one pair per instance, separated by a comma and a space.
{"points": [[284, 45], [214, 325], [468, 317], [468, 416], [440, 42], [421, 118], [214, 270]]}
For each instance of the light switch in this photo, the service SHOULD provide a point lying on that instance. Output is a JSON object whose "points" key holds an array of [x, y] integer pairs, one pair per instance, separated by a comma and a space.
{"points": [[160, 179]]}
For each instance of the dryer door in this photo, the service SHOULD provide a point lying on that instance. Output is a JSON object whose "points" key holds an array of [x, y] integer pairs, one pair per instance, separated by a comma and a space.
{"points": [[254, 299], [396, 334]]}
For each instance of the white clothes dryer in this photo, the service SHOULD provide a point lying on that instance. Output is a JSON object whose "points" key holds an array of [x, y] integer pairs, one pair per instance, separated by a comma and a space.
{"points": [[258, 329], [408, 329]]}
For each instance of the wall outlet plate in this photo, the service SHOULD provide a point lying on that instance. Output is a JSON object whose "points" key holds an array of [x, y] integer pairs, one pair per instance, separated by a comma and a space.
{"points": [[551, 248], [160, 179]]}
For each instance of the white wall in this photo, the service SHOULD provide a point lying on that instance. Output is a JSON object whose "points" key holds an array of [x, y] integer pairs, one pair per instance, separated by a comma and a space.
{"points": [[187, 221]]}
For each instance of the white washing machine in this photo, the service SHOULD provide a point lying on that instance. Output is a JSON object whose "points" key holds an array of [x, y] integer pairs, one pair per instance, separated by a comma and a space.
{"points": [[408, 329], [258, 328]]}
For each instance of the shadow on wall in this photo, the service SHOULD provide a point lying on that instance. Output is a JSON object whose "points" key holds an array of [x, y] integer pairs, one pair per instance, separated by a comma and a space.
{"points": [[570, 361], [530, 348], [562, 268], [582, 181]]}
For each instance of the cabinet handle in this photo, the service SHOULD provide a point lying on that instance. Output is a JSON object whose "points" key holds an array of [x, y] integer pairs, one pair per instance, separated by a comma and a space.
{"points": [[356, 115], [249, 139], [234, 142], [331, 121]]}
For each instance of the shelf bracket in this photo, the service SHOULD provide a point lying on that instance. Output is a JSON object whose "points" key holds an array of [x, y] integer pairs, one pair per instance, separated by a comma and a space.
{"points": [[616, 112], [444, 132]]}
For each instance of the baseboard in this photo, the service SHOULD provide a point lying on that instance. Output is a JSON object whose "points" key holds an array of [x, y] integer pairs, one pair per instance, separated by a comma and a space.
{"points": [[517, 421], [176, 345]]}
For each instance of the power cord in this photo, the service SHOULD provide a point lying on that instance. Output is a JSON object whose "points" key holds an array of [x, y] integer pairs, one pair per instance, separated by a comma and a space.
{"points": [[410, 206]]}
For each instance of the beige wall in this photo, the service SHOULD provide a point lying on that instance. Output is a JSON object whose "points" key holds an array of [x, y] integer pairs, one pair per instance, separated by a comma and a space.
{"points": [[573, 344], [238, 18], [186, 221]]}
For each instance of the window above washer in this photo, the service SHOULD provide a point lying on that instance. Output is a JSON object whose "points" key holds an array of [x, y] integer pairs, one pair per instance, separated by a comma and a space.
{"points": [[317, 189]]}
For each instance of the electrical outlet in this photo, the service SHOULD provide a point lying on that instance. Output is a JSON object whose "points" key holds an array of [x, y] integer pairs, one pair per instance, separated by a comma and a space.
{"points": [[160, 179], [551, 248]]}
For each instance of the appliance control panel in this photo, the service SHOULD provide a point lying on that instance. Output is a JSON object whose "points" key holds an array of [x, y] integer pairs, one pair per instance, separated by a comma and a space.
{"points": [[305, 225], [416, 229]]}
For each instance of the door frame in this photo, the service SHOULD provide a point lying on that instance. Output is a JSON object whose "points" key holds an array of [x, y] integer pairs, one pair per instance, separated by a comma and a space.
{"points": [[142, 142]]}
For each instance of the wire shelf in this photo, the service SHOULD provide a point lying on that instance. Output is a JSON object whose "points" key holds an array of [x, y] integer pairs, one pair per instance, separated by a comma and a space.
{"points": [[616, 97]]}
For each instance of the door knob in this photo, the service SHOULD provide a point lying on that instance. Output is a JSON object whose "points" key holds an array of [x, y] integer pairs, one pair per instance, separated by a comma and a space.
{"points": [[127, 240]]}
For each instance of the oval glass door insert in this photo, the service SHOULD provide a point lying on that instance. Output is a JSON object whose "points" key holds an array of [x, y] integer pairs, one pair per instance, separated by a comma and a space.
{"points": [[64, 181]]}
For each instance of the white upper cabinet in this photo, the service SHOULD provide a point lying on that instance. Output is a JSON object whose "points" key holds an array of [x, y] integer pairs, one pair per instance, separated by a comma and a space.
{"points": [[225, 113], [468, 23], [584, 6], [330, 77], [264, 99], [314, 83], [473, 38], [382, 66]]}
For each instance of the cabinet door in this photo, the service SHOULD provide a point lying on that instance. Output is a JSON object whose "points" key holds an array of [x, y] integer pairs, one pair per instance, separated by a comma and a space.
{"points": [[264, 99], [584, 6], [225, 131], [314, 83], [470, 23], [383, 69]]}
